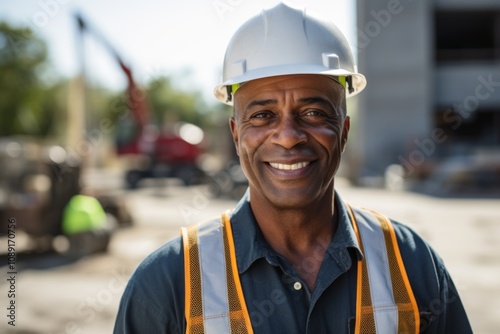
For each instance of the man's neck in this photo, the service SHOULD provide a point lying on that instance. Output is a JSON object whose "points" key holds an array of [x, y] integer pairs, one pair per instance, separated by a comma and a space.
{"points": [[301, 235]]}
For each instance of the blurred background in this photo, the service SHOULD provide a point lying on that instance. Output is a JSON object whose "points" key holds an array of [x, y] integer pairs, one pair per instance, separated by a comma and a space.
{"points": [[110, 140]]}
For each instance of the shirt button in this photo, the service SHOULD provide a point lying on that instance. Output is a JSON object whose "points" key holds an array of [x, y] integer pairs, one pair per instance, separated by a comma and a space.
{"points": [[297, 285]]}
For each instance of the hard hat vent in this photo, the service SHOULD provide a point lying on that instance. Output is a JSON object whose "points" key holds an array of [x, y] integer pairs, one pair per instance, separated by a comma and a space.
{"points": [[239, 67], [331, 61]]}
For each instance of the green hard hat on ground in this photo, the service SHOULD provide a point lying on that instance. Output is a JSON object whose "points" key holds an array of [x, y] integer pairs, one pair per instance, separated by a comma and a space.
{"points": [[83, 213]]}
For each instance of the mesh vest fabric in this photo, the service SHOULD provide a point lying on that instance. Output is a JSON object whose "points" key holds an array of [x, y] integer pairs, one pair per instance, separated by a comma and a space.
{"points": [[369, 316]]}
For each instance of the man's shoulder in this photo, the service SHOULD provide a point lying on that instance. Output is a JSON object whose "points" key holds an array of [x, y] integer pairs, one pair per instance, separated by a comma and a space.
{"points": [[167, 256], [157, 279], [166, 261], [408, 239], [414, 249], [411, 240], [422, 262]]}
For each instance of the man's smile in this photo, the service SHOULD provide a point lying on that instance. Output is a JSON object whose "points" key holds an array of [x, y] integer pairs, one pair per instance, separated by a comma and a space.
{"points": [[294, 166]]}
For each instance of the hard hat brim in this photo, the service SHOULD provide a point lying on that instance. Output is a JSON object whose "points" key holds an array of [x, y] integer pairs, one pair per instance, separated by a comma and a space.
{"points": [[221, 91]]}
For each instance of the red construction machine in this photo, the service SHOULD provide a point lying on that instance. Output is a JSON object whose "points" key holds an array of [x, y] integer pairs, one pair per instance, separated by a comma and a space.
{"points": [[150, 151]]}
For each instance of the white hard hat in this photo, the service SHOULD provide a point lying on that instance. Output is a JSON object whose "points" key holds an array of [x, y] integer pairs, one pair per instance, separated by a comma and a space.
{"points": [[285, 40]]}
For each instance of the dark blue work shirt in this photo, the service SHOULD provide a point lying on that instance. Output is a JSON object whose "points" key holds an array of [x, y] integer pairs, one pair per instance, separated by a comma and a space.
{"points": [[278, 301]]}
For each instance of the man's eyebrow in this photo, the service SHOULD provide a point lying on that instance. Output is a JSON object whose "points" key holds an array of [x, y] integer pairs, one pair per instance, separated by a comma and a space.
{"points": [[318, 100], [260, 103], [305, 100]]}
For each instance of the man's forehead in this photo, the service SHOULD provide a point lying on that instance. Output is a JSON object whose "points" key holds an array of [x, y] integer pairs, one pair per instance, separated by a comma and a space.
{"points": [[299, 85], [285, 81]]}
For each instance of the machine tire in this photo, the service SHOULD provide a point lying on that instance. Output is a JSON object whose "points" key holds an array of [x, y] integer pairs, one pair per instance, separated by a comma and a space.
{"points": [[132, 179]]}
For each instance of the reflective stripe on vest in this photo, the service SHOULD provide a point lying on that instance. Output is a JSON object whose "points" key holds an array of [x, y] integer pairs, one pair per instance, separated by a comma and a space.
{"points": [[215, 302], [384, 299]]}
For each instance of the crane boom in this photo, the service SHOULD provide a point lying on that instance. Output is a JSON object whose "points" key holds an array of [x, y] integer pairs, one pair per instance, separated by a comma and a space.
{"points": [[168, 154]]}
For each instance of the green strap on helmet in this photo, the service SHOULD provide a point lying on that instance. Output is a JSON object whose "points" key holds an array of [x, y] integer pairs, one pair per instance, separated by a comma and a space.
{"points": [[234, 87], [342, 81]]}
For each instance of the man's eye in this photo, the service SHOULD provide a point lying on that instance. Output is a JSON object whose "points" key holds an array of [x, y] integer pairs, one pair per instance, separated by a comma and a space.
{"points": [[261, 118], [262, 115], [316, 117], [315, 113]]}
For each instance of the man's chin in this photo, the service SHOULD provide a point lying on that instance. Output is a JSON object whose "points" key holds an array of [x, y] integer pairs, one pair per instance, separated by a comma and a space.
{"points": [[289, 199]]}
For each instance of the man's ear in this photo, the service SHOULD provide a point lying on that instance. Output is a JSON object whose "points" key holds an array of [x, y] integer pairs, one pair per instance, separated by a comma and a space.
{"points": [[234, 133], [345, 132]]}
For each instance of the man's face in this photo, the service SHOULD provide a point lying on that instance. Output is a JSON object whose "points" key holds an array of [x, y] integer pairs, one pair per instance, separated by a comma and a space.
{"points": [[289, 133]]}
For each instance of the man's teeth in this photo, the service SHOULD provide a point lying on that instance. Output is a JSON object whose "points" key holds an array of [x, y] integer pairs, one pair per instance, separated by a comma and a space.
{"points": [[289, 167]]}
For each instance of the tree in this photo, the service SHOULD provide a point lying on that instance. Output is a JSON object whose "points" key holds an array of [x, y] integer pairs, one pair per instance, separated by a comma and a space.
{"points": [[23, 99], [169, 104]]}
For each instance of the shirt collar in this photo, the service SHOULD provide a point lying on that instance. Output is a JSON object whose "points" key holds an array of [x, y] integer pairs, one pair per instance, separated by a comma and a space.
{"points": [[250, 244]]}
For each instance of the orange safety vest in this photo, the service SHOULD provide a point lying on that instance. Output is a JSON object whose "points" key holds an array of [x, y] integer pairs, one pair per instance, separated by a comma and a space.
{"points": [[215, 303]]}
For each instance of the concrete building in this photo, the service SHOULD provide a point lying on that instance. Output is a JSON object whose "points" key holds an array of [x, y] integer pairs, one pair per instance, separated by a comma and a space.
{"points": [[433, 94]]}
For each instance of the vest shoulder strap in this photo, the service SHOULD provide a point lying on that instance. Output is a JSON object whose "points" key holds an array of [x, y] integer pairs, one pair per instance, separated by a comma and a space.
{"points": [[384, 301], [214, 301]]}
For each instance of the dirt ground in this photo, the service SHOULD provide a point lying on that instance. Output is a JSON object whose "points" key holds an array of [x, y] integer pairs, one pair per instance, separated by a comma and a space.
{"points": [[55, 295]]}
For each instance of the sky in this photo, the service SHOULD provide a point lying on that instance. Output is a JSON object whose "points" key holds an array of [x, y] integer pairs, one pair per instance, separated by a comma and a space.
{"points": [[185, 39]]}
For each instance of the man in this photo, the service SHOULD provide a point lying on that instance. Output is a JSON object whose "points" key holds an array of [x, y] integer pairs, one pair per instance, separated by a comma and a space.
{"points": [[292, 257]]}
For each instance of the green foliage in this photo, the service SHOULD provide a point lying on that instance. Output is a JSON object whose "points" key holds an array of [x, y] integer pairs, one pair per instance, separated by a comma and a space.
{"points": [[24, 104], [169, 104], [30, 106]]}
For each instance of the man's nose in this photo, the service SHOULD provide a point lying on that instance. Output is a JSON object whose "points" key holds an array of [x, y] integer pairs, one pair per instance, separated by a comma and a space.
{"points": [[289, 132]]}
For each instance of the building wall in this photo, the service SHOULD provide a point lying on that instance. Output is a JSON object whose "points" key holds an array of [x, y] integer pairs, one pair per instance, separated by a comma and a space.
{"points": [[461, 83], [394, 55], [467, 4], [428, 72]]}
